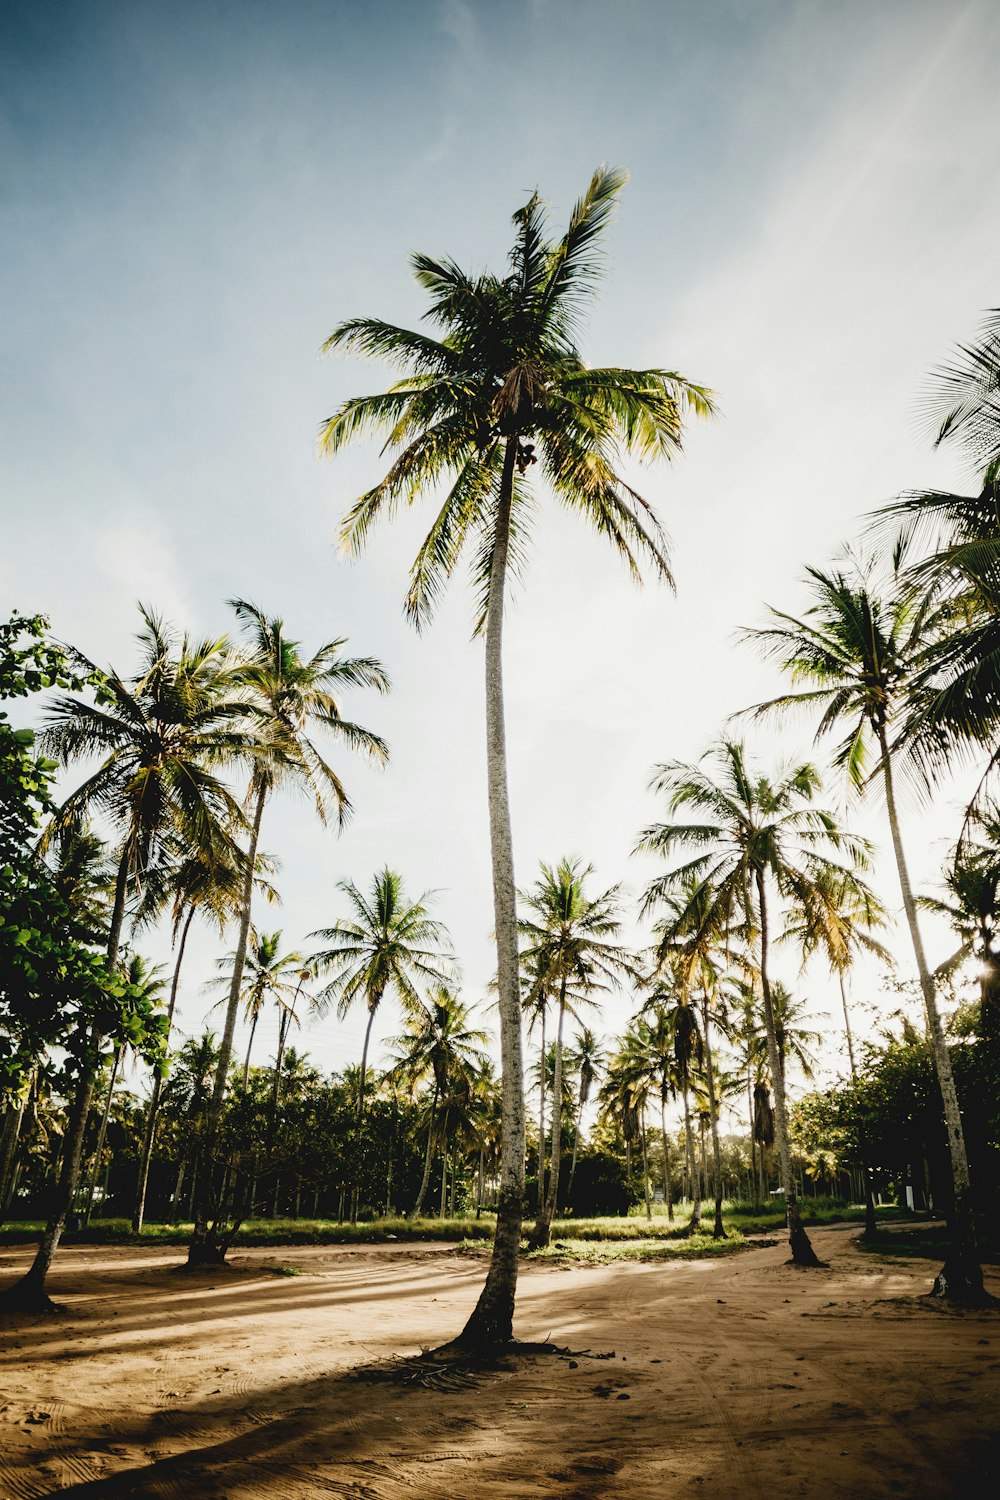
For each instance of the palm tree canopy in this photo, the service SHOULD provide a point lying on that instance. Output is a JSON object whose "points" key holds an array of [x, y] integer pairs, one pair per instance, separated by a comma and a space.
{"points": [[745, 823], [288, 693], [159, 735], [387, 943], [569, 947], [438, 1042], [505, 367], [865, 655], [268, 974]]}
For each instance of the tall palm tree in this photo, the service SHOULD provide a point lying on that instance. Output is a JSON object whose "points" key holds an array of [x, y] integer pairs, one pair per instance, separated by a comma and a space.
{"points": [[696, 946], [568, 937], [971, 904], [437, 1044], [387, 944], [503, 390], [587, 1060], [860, 656], [187, 884], [268, 974], [159, 736], [535, 999], [289, 696], [149, 980], [674, 1018], [751, 838], [625, 1094]]}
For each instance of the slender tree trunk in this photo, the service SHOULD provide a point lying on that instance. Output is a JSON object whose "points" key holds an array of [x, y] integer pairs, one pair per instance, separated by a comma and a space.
{"points": [[372, 1008], [204, 1248], [428, 1159], [718, 1233], [667, 1189], [491, 1323], [803, 1253], [694, 1223], [444, 1183], [541, 1235], [246, 1062], [149, 1135], [960, 1278], [541, 1120], [576, 1143], [867, 1175], [102, 1136], [645, 1168], [480, 1182]]}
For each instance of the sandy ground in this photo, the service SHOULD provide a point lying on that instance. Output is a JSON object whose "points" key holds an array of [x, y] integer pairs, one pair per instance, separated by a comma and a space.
{"points": [[737, 1377]]}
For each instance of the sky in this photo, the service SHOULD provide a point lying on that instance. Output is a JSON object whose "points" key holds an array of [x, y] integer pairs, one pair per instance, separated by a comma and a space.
{"points": [[194, 195]]}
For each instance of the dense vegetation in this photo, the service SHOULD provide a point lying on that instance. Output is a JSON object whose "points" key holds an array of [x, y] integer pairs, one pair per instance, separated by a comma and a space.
{"points": [[706, 1097]]}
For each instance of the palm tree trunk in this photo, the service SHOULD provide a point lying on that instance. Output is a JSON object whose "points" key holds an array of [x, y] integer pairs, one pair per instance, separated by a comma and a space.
{"points": [[667, 1190], [867, 1175], [372, 1008], [694, 1223], [149, 1135], [491, 1323], [541, 1120], [541, 1235], [718, 1233], [576, 1143], [803, 1253], [444, 1183], [428, 1159], [204, 1248], [961, 1276], [645, 1167], [101, 1136], [246, 1063]]}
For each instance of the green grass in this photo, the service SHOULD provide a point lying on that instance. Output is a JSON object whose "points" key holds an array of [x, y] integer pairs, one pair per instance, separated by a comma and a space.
{"points": [[739, 1218], [605, 1252], [267, 1232]]}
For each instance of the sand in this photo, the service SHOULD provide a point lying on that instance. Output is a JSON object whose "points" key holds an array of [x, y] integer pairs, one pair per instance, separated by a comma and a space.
{"points": [[733, 1377]]}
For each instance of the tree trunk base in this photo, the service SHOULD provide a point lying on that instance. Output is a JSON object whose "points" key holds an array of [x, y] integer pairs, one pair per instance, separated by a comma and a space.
{"points": [[204, 1254], [803, 1253], [541, 1236], [960, 1280], [28, 1296]]}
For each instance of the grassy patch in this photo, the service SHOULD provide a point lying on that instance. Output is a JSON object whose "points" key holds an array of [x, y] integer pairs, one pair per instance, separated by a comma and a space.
{"points": [[267, 1232]]}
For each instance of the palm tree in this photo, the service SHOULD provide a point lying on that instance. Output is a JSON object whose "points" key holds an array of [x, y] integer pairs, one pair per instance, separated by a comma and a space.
{"points": [[624, 1096], [587, 1060], [437, 1043], [388, 943], [502, 390], [752, 835], [288, 697], [692, 940], [863, 655], [148, 979], [265, 977], [569, 949], [679, 1023], [158, 735], [188, 884], [535, 998], [972, 906]]}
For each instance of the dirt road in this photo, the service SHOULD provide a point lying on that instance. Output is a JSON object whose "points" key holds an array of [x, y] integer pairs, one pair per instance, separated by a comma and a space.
{"points": [[741, 1377]]}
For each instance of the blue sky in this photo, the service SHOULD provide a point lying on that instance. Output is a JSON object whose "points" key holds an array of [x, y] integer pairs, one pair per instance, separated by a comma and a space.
{"points": [[194, 194]]}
